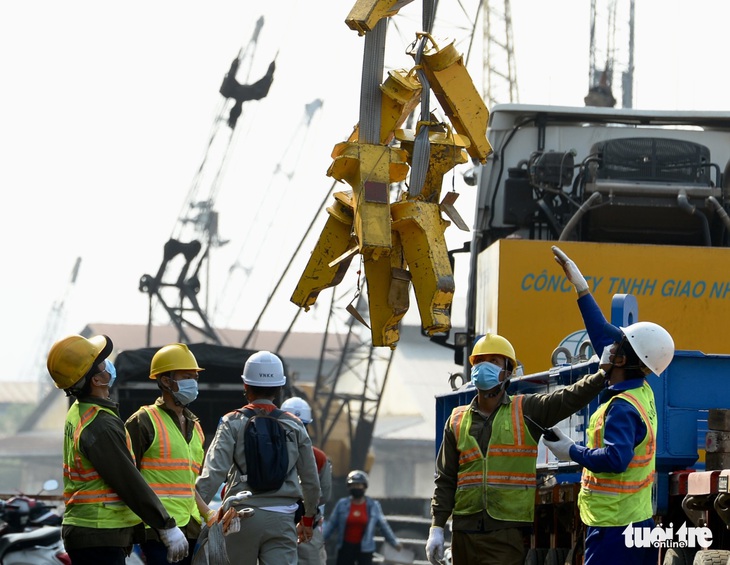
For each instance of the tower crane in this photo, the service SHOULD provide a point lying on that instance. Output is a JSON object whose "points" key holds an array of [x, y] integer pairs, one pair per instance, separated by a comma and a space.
{"points": [[500, 67], [611, 29], [195, 234], [53, 326]]}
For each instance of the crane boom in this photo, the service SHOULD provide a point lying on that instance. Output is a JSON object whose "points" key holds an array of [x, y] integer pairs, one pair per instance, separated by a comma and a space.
{"points": [[195, 235]]}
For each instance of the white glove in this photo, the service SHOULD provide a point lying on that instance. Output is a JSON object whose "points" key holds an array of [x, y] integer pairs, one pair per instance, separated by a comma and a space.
{"points": [[435, 545], [606, 356], [176, 544], [561, 446], [571, 270]]}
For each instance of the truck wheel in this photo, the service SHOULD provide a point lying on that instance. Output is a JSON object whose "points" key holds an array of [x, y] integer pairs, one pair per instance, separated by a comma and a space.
{"points": [[712, 557], [678, 556]]}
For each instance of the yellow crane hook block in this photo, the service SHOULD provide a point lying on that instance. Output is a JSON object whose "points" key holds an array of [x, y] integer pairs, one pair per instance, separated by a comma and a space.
{"points": [[421, 229], [323, 270], [370, 169], [450, 82], [365, 14]]}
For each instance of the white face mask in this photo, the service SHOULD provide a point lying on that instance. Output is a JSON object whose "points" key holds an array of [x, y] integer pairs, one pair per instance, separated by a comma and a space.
{"points": [[187, 391]]}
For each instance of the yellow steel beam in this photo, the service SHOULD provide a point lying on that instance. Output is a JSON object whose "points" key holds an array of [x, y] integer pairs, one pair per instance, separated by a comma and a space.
{"points": [[421, 231], [401, 95], [447, 151], [365, 14], [388, 299], [450, 82], [370, 169], [336, 238]]}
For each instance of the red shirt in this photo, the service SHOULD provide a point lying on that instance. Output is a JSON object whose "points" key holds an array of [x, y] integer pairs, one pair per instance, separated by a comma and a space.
{"points": [[357, 520]]}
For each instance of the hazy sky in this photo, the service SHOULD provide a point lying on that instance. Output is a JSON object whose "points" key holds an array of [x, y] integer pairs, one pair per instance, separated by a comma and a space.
{"points": [[107, 109]]}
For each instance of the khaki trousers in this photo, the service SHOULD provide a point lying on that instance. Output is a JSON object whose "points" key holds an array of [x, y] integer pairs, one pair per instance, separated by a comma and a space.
{"points": [[313, 552], [267, 538]]}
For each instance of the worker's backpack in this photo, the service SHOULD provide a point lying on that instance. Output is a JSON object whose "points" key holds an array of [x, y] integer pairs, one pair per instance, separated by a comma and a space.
{"points": [[264, 445]]}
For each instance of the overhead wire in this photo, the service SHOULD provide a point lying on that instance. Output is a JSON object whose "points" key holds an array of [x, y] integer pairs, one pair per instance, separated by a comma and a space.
{"points": [[315, 218], [271, 201]]}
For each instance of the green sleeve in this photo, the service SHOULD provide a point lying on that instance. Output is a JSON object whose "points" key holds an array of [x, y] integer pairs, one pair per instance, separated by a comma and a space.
{"points": [[549, 409]]}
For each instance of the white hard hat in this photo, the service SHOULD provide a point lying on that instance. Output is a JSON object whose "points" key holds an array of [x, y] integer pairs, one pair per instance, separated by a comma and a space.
{"points": [[263, 369], [299, 407], [652, 344]]}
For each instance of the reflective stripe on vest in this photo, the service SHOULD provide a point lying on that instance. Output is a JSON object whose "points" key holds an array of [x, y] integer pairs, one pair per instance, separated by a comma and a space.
{"points": [[503, 483], [90, 501], [617, 499], [170, 465]]}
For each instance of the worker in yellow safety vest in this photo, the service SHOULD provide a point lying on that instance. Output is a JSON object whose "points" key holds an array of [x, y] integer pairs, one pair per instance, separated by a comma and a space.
{"points": [[486, 465], [619, 458], [168, 445], [105, 495]]}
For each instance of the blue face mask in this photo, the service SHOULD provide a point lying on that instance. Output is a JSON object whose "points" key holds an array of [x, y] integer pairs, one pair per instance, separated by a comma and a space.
{"points": [[485, 376], [187, 391], [109, 366]]}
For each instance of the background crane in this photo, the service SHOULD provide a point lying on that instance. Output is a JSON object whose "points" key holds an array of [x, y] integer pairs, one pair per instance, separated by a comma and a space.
{"points": [[611, 52], [500, 67], [195, 234], [55, 322]]}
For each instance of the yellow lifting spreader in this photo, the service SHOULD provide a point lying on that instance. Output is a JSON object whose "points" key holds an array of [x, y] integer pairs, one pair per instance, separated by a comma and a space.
{"points": [[400, 242]]}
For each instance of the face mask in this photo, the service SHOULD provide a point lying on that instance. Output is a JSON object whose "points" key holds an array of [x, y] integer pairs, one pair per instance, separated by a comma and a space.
{"points": [[187, 391], [485, 376], [109, 366], [357, 492]]}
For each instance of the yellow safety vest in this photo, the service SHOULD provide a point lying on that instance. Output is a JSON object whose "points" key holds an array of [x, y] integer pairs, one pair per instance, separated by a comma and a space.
{"points": [[502, 483], [170, 465], [90, 501], [618, 499]]}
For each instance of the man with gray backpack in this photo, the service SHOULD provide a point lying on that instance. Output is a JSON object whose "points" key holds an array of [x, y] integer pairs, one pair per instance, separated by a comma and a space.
{"points": [[262, 449]]}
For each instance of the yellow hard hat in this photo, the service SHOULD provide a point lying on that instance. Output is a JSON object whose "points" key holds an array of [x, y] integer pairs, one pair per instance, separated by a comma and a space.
{"points": [[496, 345], [174, 357], [71, 358]]}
